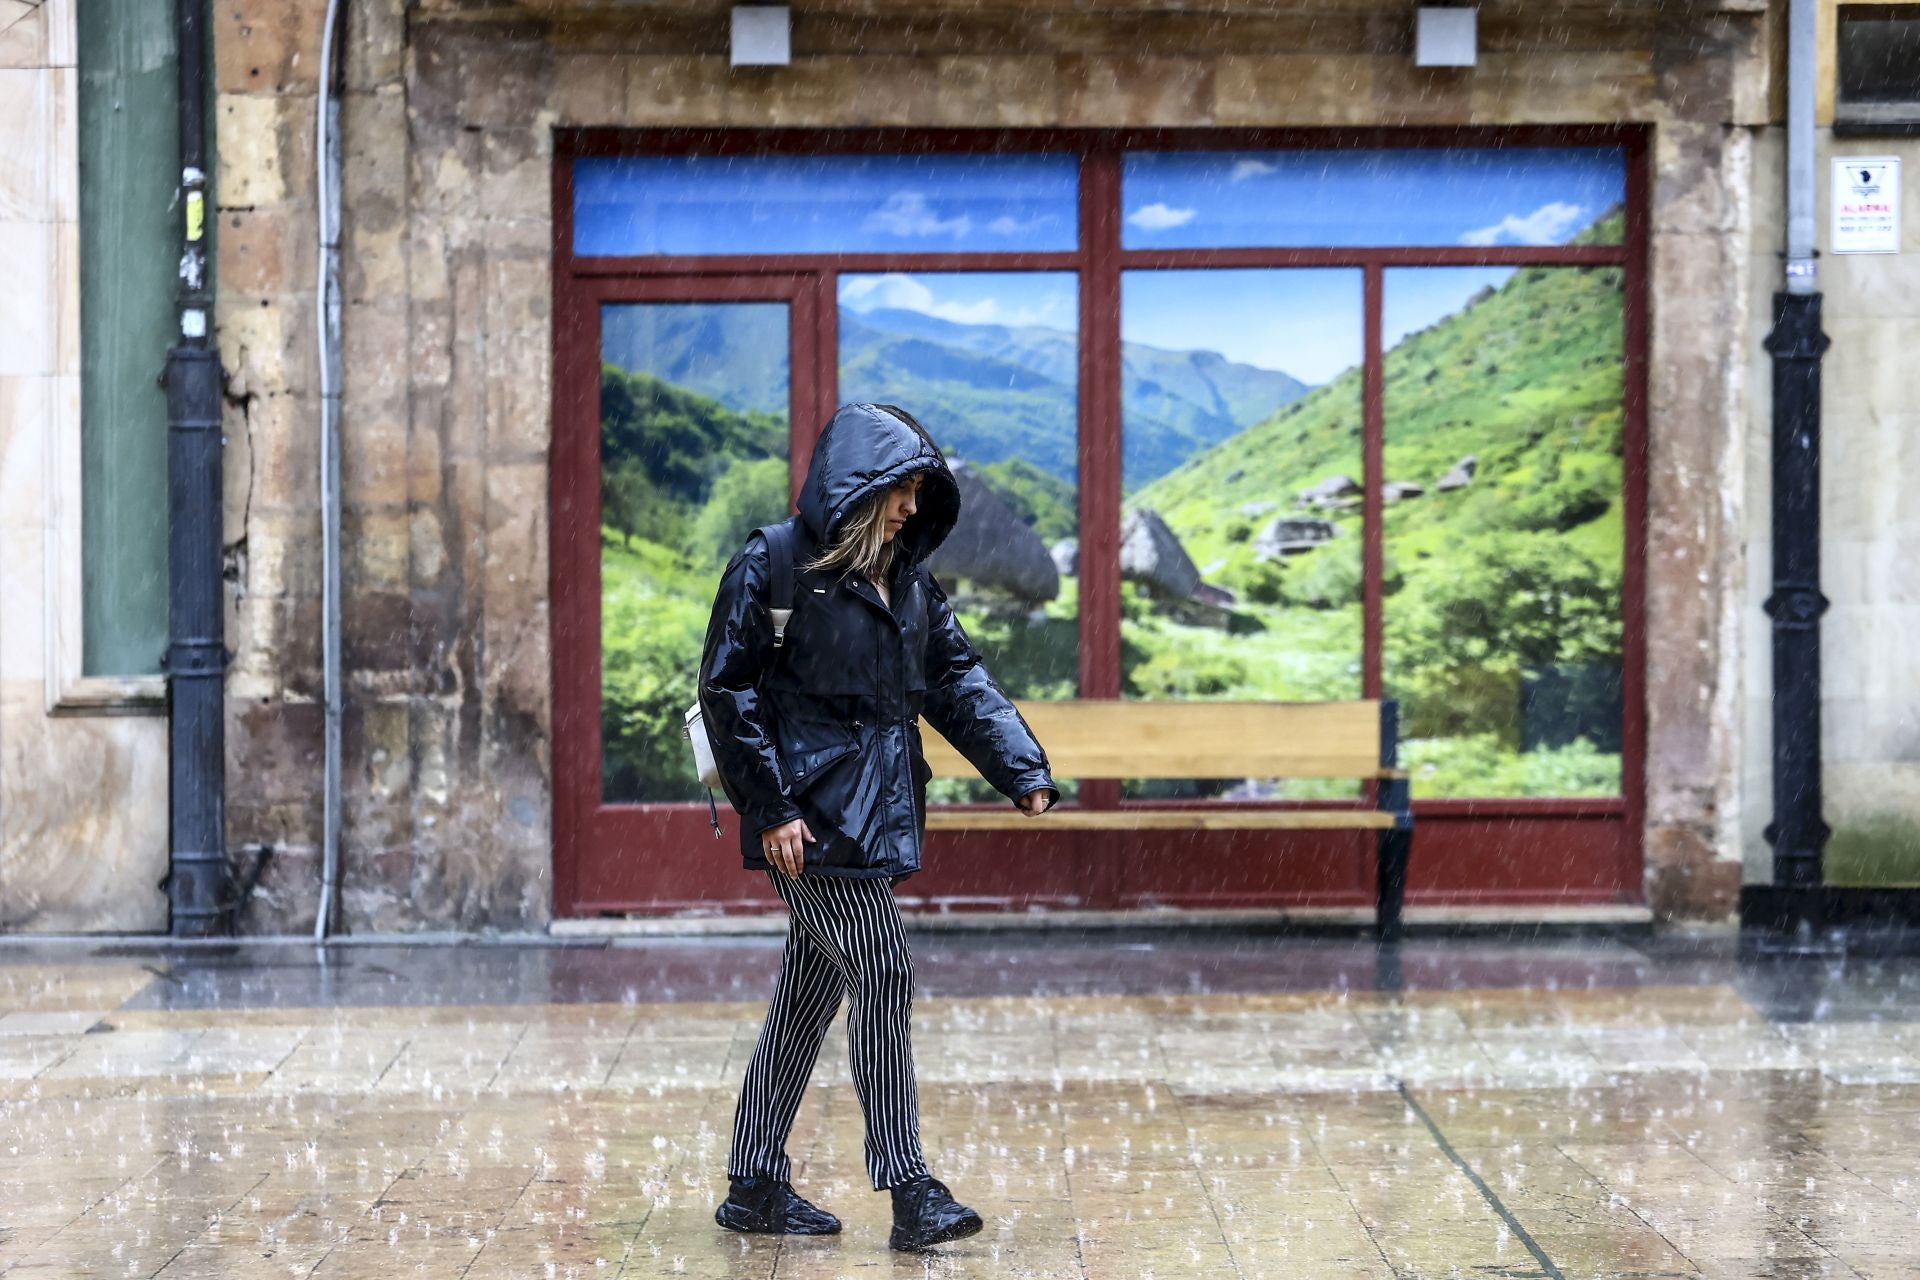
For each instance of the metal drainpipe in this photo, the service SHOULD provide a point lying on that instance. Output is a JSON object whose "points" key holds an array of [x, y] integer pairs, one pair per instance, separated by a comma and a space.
{"points": [[198, 882], [1798, 833], [327, 321]]}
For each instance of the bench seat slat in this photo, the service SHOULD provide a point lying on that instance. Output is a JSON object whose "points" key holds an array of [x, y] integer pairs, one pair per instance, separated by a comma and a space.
{"points": [[1160, 820], [1129, 738]]}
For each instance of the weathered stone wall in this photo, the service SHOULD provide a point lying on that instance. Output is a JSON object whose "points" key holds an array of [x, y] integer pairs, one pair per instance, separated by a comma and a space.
{"points": [[443, 486], [450, 113]]}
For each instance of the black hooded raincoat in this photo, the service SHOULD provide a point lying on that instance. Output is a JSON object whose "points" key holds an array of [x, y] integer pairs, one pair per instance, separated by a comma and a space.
{"points": [[825, 727]]}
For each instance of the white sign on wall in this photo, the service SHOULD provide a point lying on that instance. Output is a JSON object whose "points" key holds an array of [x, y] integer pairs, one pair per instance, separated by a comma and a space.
{"points": [[1866, 205]]}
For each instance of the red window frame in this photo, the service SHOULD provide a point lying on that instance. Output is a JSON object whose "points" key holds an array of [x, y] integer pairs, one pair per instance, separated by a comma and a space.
{"points": [[1472, 849]]}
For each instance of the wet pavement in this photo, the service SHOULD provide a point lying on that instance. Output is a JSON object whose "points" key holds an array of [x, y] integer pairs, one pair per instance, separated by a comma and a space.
{"points": [[1116, 1104]]}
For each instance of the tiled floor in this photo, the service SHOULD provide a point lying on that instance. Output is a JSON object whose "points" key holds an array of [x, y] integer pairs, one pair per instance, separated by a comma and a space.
{"points": [[1115, 1107]]}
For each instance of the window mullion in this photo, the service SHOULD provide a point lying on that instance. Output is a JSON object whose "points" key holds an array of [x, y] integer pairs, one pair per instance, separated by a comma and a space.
{"points": [[1373, 476], [1100, 425]]}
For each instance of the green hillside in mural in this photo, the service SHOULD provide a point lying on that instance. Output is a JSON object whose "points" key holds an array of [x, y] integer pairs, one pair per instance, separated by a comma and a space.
{"points": [[1044, 501], [684, 479], [1502, 612], [732, 353]]}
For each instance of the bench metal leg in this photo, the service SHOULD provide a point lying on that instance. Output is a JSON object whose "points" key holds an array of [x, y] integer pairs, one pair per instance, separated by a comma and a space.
{"points": [[1395, 847], [1396, 843]]}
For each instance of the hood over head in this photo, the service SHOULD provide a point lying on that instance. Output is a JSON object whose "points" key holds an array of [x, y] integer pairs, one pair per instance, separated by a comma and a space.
{"points": [[864, 451]]}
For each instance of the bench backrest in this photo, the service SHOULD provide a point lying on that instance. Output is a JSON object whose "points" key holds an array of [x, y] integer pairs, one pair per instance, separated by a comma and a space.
{"points": [[1126, 738]]}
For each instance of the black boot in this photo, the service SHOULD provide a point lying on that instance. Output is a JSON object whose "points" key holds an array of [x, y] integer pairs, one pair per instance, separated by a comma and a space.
{"points": [[767, 1207], [925, 1214]]}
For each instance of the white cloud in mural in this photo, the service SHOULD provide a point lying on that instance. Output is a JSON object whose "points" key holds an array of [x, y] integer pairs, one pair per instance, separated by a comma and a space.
{"points": [[868, 293], [980, 311], [1008, 225], [1244, 169], [1159, 217], [1549, 224], [907, 213], [896, 291]]}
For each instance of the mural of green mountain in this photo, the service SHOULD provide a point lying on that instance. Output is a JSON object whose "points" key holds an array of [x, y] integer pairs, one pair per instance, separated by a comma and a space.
{"points": [[998, 391], [1222, 391], [682, 470], [683, 480], [979, 407], [1046, 502], [1225, 389], [1526, 377], [993, 392], [1497, 590], [1503, 609], [685, 439], [731, 352], [1053, 354]]}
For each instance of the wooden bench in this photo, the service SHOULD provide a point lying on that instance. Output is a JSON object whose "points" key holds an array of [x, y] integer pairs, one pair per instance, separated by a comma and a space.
{"points": [[1109, 738]]}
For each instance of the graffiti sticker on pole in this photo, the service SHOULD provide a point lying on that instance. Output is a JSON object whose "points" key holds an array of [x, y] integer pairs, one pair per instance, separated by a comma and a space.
{"points": [[1866, 205]]}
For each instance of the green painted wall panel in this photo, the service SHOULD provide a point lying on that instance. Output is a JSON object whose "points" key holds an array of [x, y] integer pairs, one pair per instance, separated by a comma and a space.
{"points": [[128, 263]]}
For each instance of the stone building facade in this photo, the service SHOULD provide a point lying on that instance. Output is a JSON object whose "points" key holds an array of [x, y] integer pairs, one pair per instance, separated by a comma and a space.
{"points": [[450, 112]]}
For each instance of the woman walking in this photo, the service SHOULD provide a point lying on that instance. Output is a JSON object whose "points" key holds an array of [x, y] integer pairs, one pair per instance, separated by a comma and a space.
{"points": [[817, 738]]}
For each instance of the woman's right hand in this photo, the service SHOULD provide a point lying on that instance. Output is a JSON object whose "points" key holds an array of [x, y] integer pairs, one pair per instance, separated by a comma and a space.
{"points": [[783, 846]]}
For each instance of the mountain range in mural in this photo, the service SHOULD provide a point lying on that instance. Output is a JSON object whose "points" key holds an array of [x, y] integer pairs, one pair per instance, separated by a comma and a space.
{"points": [[991, 393]]}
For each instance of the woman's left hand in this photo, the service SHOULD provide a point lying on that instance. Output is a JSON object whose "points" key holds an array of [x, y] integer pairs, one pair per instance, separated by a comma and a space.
{"points": [[1036, 802]]}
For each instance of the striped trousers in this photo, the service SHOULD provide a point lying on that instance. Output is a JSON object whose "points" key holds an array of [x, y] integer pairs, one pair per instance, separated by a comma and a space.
{"points": [[844, 936]]}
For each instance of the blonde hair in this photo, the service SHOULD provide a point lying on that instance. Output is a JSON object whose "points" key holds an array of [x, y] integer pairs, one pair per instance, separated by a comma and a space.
{"points": [[862, 545]]}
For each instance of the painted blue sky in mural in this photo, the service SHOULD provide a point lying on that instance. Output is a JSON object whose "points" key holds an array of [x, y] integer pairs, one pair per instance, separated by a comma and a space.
{"points": [[1414, 298], [1349, 199], [1302, 322], [639, 205], [634, 205]]}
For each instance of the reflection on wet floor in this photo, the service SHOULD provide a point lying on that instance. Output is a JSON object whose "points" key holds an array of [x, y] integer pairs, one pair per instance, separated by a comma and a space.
{"points": [[1117, 1106]]}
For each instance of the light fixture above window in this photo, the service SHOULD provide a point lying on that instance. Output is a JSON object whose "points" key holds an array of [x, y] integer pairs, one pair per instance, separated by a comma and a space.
{"points": [[762, 35], [1446, 37]]}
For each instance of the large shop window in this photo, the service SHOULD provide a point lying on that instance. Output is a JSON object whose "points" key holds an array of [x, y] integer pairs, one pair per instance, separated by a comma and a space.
{"points": [[1359, 427], [693, 457], [989, 360], [1241, 392], [1505, 534]]}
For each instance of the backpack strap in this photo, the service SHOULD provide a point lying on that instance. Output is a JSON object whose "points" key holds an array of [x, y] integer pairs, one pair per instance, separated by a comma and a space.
{"points": [[780, 542]]}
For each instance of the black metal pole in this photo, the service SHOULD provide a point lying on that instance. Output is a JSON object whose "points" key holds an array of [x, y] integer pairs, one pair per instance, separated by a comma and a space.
{"points": [[197, 878], [1798, 831]]}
